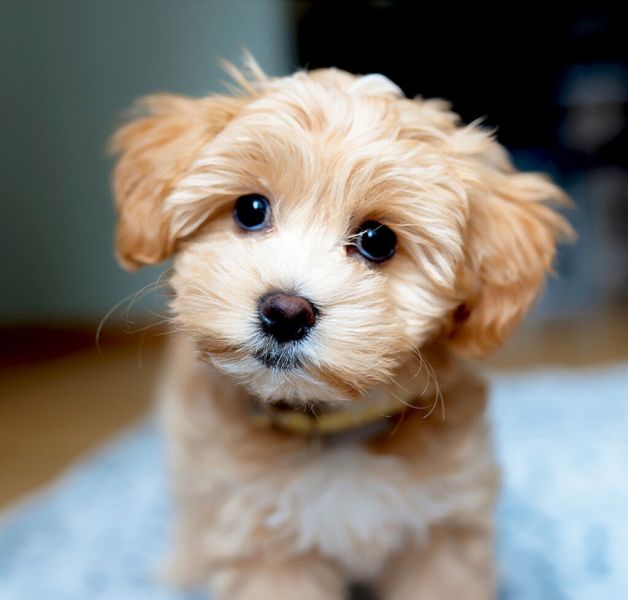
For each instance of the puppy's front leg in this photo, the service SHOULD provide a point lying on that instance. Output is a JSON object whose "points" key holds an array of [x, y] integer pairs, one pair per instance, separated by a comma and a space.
{"points": [[304, 578], [456, 563]]}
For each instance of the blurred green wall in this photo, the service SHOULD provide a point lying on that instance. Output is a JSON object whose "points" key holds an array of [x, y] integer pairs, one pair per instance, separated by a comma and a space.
{"points": [[69, 68]]}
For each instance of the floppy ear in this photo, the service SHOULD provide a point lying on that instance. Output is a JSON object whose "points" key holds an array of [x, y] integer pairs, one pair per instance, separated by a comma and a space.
{"points": [[510, 246], [155, 151]]}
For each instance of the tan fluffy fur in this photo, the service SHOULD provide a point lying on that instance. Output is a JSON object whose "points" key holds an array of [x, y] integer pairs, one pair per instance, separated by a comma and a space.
{"points": [[263, 514]]}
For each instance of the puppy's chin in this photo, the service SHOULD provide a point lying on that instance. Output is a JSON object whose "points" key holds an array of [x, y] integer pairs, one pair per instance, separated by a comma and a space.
{"points": [[272, 375], [282, 361]]}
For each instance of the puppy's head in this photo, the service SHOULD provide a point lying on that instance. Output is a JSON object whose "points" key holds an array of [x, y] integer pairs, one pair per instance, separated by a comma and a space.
{"points": [[325, 227]]}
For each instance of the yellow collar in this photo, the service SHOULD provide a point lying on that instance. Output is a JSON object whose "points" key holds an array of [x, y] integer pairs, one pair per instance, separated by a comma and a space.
{"points": [[353, 421]]}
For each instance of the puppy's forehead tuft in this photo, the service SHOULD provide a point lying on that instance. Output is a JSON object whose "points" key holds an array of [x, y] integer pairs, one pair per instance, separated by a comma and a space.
{"points": [[375, 84], [330, 104]]}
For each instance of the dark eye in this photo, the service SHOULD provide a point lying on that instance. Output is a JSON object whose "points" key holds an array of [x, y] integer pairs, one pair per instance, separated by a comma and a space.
{"points": [[376, 241], [252, 212]]}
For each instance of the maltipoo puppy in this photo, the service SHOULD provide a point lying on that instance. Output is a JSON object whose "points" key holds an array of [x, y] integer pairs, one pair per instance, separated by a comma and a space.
{"points": [[337, 249]]}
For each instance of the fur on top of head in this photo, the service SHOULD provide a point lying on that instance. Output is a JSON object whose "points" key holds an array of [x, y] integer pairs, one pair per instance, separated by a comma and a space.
{"points": [[330, 151]]}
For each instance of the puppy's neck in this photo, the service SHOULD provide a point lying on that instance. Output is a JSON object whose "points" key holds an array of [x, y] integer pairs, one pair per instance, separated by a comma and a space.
{"points": [[332, 424], [415, 389]]}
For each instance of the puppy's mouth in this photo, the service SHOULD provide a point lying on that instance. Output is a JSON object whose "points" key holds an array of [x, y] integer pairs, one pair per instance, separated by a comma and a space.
{"points": [[285, 358]]}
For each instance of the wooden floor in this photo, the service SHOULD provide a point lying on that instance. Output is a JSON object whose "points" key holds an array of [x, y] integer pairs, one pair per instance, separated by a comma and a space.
{"points": [[53, 409], [52, 412]]}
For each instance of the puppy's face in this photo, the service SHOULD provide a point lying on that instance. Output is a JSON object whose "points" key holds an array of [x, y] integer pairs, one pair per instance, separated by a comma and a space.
{"points": [[325, 228]]}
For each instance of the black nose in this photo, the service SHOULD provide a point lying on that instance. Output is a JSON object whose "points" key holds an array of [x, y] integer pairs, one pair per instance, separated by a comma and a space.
{"points": [[286, 317]]}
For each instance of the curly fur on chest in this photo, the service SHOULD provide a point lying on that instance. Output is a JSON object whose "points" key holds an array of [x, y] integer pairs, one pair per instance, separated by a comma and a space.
{"points": [[347, 503]]}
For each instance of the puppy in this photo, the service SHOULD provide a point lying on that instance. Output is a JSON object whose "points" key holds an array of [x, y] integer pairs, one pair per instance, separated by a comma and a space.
{"points": [[338, 250]]}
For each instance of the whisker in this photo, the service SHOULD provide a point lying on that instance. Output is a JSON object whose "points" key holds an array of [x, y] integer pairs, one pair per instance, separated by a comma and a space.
{"points": [[172, 329], [402, 401], [439, 394], [422, 364], [399, 423], [134, 297], [158, 315], [148, 327], [105, 319], [419, 355], [431, 376], [145, 290]]}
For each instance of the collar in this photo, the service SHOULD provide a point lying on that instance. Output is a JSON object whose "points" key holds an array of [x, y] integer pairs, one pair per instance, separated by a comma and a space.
{"points": [[350, 422]]}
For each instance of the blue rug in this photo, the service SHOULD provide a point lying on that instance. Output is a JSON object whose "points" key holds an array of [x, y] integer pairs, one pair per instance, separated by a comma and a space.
{"points": [[562, 439]]}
